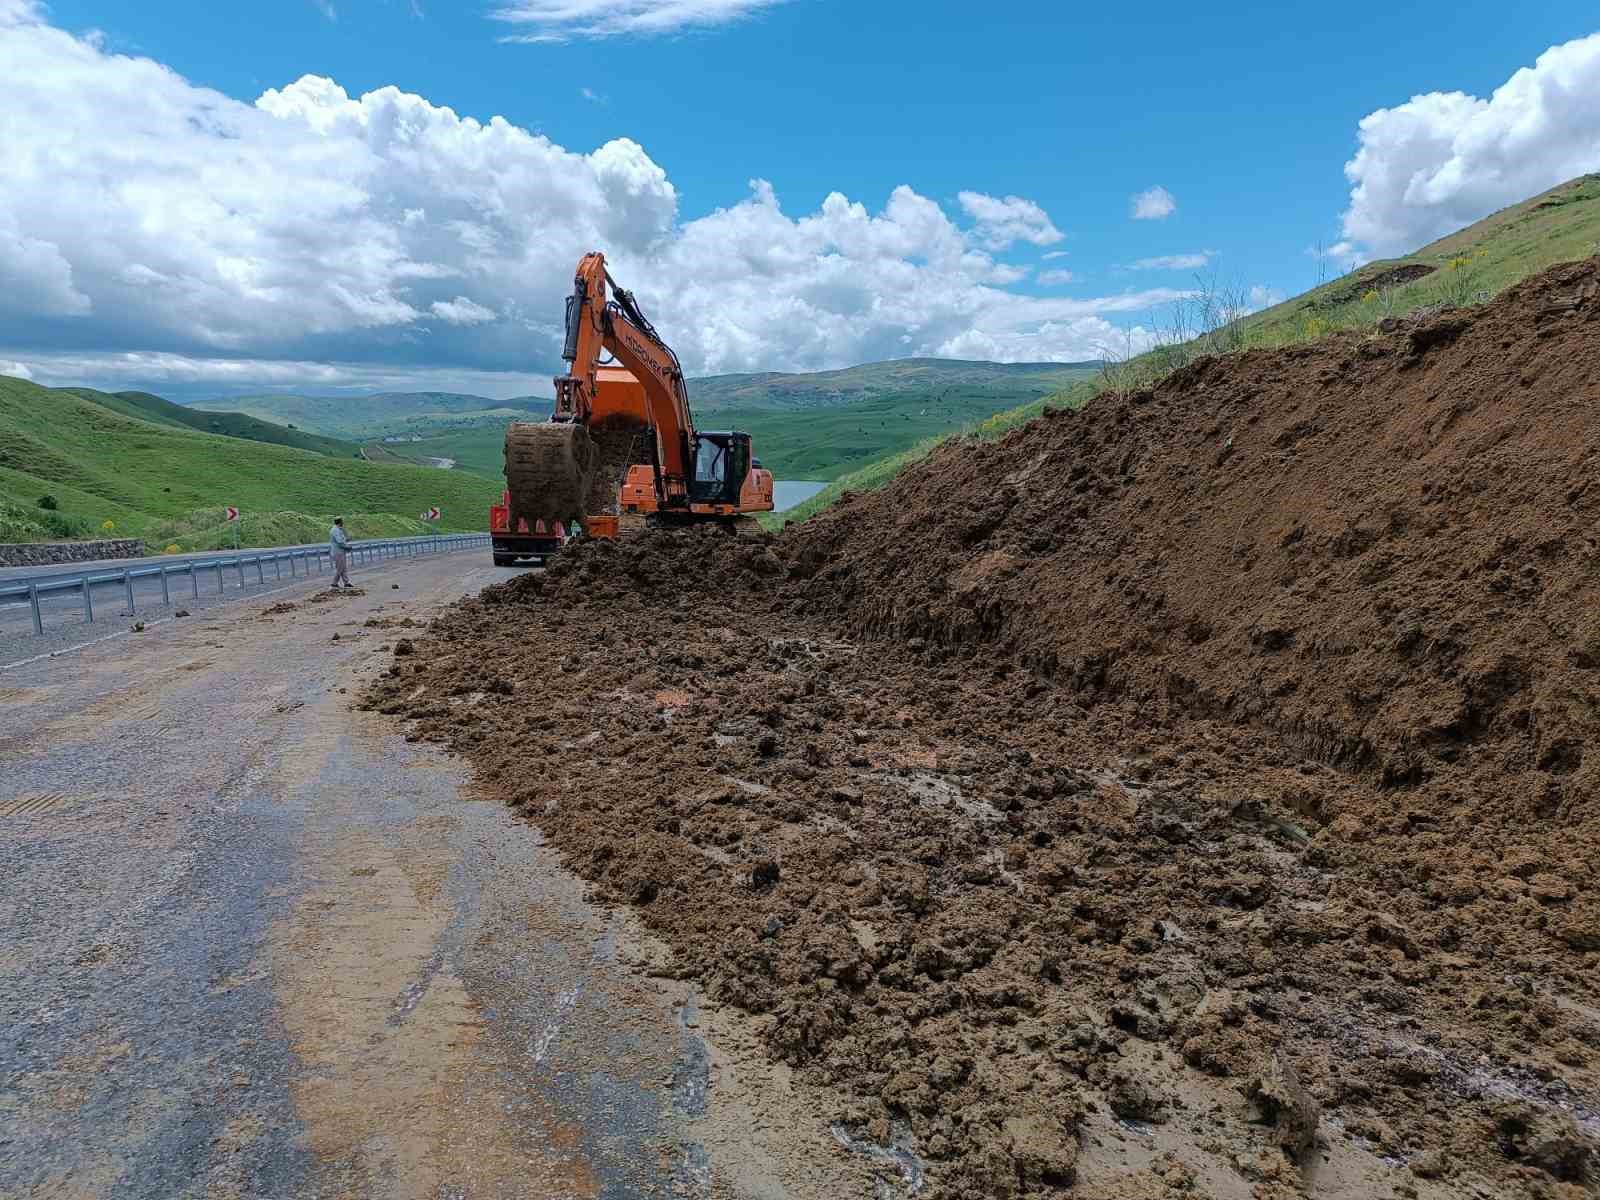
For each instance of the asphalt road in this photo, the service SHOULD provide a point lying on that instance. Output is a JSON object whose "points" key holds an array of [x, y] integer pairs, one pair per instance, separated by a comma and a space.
{"points": [[255, 944]]}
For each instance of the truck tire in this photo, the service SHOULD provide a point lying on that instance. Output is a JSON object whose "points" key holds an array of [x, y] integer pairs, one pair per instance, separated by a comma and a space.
{"points": [[505, 560]]}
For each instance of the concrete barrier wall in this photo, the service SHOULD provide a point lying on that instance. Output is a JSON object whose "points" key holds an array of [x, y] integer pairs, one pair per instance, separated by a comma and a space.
{"points": [[44, 554]]}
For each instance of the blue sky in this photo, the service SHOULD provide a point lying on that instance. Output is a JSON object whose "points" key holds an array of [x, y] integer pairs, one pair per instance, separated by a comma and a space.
{"points": [[1245, 116]]}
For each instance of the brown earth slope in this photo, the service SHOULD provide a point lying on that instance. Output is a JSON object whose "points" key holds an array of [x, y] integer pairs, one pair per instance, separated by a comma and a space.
{"points": [[1190, 794], [1382, 546]]}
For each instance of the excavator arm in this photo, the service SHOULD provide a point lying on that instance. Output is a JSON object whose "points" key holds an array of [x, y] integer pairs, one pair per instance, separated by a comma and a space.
{"points": [[573, 466], [596, 325]]}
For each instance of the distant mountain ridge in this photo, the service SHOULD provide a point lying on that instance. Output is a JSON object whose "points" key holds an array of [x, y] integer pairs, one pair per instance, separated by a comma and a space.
{"points": [[361, 417], [366, 417], [827, 389]]}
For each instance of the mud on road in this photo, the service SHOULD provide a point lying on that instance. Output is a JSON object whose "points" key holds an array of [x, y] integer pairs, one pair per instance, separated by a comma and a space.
{"points": [[1190, 794], [254, 945]]}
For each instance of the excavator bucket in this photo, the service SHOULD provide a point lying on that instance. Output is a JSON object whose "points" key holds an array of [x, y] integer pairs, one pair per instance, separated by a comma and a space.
{"points": [[564, 471], [550, 470]]}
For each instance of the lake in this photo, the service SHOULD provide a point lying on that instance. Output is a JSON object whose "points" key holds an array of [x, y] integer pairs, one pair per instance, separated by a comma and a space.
{"points": [[786, 493]]}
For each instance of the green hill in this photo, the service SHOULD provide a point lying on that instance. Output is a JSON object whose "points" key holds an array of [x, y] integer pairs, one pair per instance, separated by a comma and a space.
{"points": [[931, 378], [148, 407], [1465, 267], [153, 479], [363, 417], [1559, 225]]}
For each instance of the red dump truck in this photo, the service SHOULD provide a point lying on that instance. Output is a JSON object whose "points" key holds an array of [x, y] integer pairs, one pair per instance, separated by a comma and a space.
{"points": [[512, 545]]}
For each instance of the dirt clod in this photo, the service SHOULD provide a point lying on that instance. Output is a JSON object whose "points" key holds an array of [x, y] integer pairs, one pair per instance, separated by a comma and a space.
{"points": [[1281, 1101], [1546, 1139]]}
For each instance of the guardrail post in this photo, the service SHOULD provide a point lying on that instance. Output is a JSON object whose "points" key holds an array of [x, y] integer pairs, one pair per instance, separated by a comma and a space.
{"points": [[33, 600], [194, 578], [240, 565], [88, 602], [261, 572], [127, 584], [166, 591], [222, 587]]}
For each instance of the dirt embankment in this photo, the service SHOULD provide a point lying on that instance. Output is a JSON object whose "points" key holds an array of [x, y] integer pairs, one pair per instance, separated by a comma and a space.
{"points": [[1384, 547], [1187, 793]]}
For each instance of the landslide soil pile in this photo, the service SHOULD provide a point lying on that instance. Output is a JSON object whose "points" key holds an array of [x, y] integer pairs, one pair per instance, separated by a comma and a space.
{"points": [[1381, 546], [987, 799]]}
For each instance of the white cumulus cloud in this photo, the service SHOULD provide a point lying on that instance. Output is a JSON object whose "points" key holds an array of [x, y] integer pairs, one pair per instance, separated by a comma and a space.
{"points": [[1004, 222], [1443, 160], [150, 225], [1262, 296], [1174, 262], [461, 311], [15, 370], [564, 20], [1153, 204], [184, 373]]}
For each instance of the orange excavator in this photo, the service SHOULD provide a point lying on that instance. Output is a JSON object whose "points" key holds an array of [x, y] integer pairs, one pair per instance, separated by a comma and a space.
{"points": [[621, 447]]}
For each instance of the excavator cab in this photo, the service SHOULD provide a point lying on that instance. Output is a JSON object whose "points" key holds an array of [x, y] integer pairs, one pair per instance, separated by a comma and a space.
{"points": [[721, 462]]}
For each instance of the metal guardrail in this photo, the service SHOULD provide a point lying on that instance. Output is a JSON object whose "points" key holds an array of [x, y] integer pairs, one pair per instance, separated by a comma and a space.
{"points": [[299, 560]]}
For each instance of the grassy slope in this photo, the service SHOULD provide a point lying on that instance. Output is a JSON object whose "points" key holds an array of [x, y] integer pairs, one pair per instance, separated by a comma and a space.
{"points": [[147, 407], [825, 443], [1559, 225], [361, 417], [157, 480]]}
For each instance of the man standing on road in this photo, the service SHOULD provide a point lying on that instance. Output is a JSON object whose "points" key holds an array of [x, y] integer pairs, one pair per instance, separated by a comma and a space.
{"points": [[339, 543]]}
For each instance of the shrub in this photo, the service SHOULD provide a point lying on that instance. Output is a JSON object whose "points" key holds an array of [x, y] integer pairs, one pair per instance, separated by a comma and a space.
{"points": [[66, 528], [48, 501]]}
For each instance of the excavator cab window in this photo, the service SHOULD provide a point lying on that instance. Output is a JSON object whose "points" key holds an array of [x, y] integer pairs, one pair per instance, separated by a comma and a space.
{"points": [[721, 462], [711, 465]]}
